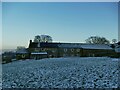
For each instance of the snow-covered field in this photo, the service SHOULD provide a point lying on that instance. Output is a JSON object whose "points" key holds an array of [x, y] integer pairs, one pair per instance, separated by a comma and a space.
{"points": [[71, 72]]}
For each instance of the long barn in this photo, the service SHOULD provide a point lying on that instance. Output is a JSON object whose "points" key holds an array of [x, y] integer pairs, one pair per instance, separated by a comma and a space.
{"points": [[47, 50]]}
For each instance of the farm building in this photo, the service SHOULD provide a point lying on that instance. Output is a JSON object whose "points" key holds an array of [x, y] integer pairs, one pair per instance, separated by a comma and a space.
{"points": [[97, 50], [117, 49], [44, 49], [8, 56], [22, 54]]}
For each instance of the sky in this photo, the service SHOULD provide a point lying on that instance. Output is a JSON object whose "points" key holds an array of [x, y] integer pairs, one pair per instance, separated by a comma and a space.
{"points": [[0, 27], [59, 0], [63, 21]]}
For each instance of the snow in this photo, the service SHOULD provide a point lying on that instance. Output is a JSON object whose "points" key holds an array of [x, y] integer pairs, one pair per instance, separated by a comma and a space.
{"points": [[0, 76], [96, 46], [86, 46], [70, 72], [115, 59], [68, 45]]}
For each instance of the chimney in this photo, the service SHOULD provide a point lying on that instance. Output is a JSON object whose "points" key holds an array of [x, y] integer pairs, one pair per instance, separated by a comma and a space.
{"points": [[30, 41], [38, 44]]}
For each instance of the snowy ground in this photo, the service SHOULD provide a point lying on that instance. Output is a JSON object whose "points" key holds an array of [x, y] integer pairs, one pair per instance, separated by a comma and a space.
{"points": [[74, 72]]}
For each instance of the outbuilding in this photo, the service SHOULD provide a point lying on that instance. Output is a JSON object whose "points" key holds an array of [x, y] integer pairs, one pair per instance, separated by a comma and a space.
{"points": [[22, 54]]}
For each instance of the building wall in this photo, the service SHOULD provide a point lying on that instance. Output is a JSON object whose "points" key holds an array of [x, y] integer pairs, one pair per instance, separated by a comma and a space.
{"points": [[52, 52], [97, 53], [67, 52], [64, 52], [22, 56], [58, 52], [38, 56]]}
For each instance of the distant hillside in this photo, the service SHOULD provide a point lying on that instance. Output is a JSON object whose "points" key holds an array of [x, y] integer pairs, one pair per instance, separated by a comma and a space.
{"points": [[7, 50]]}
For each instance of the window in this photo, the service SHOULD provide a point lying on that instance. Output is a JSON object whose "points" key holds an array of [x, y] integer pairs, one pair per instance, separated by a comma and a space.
{"points": [[72, 50], [78, 50], [42, 49], [36, 49], [38, 44], [65, 50], [53, 51]]}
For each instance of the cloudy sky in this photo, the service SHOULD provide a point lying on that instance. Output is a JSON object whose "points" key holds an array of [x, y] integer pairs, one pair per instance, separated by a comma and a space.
{"points": [[64, 21]]}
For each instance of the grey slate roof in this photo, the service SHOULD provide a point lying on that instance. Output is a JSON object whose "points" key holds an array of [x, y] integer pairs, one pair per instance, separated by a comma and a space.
{"points": [[70, 45], [117, 50], [43, 44], [22, 51], [96, 46]]}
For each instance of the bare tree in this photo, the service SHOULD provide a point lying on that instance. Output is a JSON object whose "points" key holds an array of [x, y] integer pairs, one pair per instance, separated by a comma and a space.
{"points": [[97, 40], [114, 41], [43, 38], [37, 38], [20, 47]]}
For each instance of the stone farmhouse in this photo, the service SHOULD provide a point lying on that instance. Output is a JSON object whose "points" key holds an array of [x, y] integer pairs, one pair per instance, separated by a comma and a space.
{"points": [[38, 50]]}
